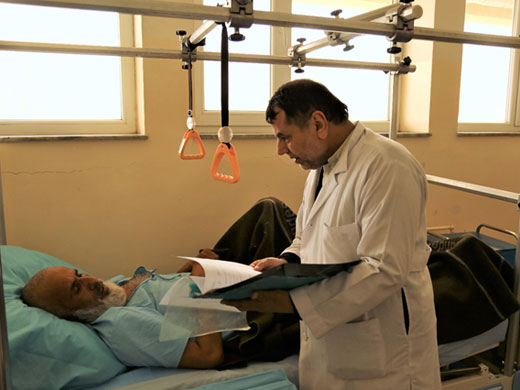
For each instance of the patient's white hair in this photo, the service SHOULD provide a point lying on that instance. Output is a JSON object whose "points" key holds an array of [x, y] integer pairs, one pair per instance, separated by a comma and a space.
{"points": [[116, 297]]}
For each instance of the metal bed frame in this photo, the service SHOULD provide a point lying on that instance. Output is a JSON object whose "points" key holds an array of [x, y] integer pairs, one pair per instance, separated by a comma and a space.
{"points": [[398, 29], [512, 349]]}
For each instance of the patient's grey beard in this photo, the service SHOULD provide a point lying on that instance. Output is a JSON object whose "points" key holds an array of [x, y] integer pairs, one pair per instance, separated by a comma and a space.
{"points": [[116, 297]]}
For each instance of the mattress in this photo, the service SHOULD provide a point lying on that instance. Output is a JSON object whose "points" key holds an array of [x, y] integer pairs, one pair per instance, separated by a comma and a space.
{"points": [[177, 379], [458, 350]]}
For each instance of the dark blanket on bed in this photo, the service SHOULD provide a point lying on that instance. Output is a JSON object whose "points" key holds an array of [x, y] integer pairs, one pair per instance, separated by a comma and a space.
{"points": [[472, 286], [472, 283], [265, 230]]}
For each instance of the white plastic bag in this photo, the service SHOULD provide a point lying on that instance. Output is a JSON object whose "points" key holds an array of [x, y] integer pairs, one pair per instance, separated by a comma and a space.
{"points": [[186, 316]]}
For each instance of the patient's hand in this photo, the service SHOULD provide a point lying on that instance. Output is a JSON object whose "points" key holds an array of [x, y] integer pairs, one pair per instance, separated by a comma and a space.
{"points": [[207, 254], [203, 254], [268, 262]]}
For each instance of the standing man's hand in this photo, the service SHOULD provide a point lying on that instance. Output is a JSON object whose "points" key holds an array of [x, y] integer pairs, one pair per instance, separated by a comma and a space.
{"points": [[274, 301], [268, 262]]}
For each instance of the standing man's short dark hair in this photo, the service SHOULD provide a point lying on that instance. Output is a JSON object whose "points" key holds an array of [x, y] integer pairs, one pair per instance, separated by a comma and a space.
{"points": [[300, 98]]}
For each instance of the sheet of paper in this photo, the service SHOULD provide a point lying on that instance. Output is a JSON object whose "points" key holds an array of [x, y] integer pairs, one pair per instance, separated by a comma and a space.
{"points": [[178, 295], [222, 273]]}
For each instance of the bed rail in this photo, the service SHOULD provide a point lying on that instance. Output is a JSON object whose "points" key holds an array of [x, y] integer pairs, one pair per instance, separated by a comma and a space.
{"points": [[512, 349]]}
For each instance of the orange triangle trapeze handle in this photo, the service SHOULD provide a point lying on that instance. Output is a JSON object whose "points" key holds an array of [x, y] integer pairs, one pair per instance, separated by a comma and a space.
{"points": [[229, 151], [191, 134]]}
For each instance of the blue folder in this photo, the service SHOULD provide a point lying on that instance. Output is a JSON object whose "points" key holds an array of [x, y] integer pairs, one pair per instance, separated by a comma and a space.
{"points": [[283, 277]]}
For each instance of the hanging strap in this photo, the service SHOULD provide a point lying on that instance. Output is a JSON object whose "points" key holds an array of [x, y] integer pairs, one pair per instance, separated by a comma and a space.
{"points": [[190, 87], [224, 78], [191, 133], [225, 148]]}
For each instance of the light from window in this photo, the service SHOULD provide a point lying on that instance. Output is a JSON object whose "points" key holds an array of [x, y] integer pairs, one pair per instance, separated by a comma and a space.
{"points": [[365, 92], [249, 83], [59, 87], [485, 69]]}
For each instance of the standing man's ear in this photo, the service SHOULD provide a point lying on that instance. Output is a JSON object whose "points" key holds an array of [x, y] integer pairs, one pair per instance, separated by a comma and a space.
{"points": [[320, 123]]}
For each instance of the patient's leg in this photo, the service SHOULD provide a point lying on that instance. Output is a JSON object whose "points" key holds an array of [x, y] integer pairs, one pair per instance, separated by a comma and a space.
{"points": [[265, 230]]}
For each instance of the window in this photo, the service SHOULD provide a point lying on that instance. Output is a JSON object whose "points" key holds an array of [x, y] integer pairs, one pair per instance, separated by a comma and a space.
{"points": [[365, 92], [489, 79], [53, 94]]}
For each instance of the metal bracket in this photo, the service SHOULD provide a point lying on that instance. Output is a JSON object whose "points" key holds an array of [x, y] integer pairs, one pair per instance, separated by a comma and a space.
{"points": [[241, 13], [335, 38], [298, 60], [186, 49], [402, 18]]}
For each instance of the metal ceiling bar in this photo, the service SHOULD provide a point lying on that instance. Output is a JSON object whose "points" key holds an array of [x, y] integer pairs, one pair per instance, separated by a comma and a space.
{"points": [[164, 8], [176, 54]]}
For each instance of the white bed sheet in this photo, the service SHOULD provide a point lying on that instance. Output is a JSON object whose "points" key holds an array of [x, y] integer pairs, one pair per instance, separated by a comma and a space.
{"points": [[458, 350], [177, 379]]}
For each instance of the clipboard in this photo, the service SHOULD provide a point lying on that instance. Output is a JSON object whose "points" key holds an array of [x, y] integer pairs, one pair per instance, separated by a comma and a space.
{"points": [[283, 277]]}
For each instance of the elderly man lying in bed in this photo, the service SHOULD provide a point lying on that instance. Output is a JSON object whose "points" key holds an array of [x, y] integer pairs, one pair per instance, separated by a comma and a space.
{"points": [[128, 318], [126, 315]]}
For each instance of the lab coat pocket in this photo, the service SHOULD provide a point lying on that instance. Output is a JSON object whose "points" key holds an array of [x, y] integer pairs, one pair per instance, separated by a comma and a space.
{"points": [[357, 350], [340, 243]]}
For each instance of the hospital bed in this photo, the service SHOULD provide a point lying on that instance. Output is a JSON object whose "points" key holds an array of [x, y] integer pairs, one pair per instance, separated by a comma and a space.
{"points": [[64, 354], [481, 375], [46, 352]]}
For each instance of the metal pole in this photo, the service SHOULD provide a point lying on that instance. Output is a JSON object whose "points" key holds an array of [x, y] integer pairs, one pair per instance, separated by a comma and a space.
{"points": [[281, 19], [394, 108], [5, 380], [367, 16], [488, 192], [200, 33], [176, 54]]}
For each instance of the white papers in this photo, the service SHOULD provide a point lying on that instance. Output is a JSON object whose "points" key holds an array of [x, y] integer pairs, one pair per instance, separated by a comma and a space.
{"points": [[178, 295], [218, 274], [221, 273]]}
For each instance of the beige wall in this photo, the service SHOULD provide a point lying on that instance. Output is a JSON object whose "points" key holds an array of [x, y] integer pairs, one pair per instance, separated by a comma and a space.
{"points": [[108, 206]]}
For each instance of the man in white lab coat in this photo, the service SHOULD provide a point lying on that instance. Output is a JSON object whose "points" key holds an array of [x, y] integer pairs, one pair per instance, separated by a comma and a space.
{"points": [[373, 328]]}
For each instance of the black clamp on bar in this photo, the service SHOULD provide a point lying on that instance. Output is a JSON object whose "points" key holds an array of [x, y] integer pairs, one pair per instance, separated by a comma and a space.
{"points": [[241, 16], [404, 66], [298, 59]]}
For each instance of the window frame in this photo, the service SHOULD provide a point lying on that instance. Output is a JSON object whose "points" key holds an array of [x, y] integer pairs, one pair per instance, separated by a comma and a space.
{"points": [[128, 125], [512, 124], [252, 123]]}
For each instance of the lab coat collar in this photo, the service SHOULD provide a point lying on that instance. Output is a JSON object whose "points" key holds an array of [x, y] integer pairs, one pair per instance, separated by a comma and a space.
{"points": [[340, 166]]}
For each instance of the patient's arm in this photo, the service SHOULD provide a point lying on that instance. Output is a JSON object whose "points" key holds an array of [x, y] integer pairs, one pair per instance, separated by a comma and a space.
{"points": [[203, 352]]}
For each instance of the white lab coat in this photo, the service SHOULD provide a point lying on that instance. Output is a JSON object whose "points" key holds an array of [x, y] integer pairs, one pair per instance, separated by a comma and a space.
{"points": [[353, 334]]}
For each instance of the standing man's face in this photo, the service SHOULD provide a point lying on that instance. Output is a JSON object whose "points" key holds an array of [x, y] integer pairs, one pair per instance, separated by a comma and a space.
{"points": [[301, 144]]}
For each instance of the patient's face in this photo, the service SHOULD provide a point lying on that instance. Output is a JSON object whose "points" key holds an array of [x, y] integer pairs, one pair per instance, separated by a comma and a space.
{"points": [[68, 289]]}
